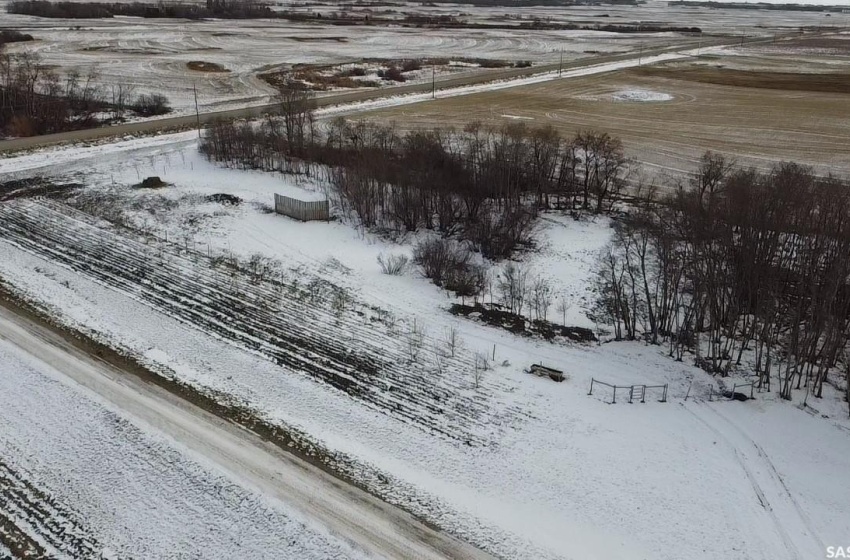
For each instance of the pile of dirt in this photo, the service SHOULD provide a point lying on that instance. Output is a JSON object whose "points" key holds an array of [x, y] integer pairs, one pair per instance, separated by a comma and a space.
{"points": [[201, 66], [35, 186], [224, 198], [151, 183], [495, 316]]}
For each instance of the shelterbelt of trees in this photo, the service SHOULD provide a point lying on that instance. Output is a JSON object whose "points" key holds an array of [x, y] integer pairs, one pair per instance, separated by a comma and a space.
{"points": [[35, 100], [736, 267]]}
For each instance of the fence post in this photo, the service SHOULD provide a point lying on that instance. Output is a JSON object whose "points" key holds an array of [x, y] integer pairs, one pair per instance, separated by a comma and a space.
{"points": [[643, 394], [631, 393], [591, 387], [664, 396], [614, 399]]}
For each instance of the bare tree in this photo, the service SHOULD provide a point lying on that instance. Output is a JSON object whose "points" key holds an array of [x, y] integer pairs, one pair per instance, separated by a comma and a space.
{"points": [[452, 340], [541, 297], [513, 287], [296, 105]]}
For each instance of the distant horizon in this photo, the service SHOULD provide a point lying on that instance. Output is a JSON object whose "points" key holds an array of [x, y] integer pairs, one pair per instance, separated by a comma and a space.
{"points": [[797, 2]]}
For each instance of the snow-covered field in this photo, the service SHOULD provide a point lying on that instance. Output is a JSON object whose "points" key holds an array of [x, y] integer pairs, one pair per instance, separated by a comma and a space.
{"points": [[535, 469], [151, 54], [86, 481]]}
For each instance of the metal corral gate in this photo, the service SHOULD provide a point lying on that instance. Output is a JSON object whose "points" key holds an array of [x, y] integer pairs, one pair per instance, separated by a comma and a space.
{"points": [[303, 210]]}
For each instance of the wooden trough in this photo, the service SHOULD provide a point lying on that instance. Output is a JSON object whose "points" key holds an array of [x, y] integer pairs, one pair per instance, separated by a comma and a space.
{"points": [[542, 371], [304, 210]]}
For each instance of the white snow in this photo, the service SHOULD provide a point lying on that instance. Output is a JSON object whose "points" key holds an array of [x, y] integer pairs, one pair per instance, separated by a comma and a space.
{"points": [[566, 475], [134, 492], [641, 96]]}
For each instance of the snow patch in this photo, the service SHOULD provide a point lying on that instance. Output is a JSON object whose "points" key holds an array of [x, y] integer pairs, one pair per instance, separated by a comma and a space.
{"points": [[641, 96]]}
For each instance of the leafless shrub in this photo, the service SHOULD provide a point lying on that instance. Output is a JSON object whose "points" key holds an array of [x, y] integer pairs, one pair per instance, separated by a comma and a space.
{"points": [[411, 65], [393, 74], [481, 365], [415, 342], [452, 340], [151, 105], [499, 233], [393, 265], [450, 265], [262, 268], [340, 302]]}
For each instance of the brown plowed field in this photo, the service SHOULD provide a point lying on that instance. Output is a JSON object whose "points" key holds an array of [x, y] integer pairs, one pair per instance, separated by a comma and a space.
{"points": [[756, 117]]}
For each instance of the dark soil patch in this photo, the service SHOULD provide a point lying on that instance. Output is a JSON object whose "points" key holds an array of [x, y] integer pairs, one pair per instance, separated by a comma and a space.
{"points": [[318, 39], [223, 198], [317, 81], [151, 183], [828, 43], [13, 36], [34, 186], [495, 316], [789, 81], [201, 66]]}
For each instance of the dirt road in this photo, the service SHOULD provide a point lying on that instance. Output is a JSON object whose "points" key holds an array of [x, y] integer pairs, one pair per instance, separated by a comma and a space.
{"points": [[348, 512], [189, 121]]}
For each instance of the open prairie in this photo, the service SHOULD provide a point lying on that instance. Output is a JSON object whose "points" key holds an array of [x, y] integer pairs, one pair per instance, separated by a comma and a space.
{"points": [[151, 55], [758, 110]]}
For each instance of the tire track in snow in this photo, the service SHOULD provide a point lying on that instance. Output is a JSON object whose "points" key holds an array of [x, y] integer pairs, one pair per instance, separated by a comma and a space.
{"points": [[770, 489], [806, 521]]}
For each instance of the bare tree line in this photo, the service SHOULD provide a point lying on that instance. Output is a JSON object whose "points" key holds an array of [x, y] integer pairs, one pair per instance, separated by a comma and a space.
{"points": [[36, 100], [736, 262], [480, 184]]}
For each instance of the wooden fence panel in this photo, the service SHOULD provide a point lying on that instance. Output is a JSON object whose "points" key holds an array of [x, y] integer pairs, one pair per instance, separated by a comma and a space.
{"points": [[303, 210]]}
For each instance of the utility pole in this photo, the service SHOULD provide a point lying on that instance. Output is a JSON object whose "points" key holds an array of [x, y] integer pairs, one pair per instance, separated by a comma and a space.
{"points": [[197, 111], [433, 81]]}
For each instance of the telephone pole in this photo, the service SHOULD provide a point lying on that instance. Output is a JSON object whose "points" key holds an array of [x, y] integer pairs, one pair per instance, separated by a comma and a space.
{"points": [[197, 111], [433, 81]]}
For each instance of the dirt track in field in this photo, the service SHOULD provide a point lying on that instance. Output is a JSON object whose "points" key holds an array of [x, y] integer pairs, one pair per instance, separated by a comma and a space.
{"points": [[710, 109]]}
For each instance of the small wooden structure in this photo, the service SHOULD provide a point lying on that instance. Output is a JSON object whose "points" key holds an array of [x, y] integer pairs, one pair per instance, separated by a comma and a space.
{"points": [[542, 371], [303, 210]]}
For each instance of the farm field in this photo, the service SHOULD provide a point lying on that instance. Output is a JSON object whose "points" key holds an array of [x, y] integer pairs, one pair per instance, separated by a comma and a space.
{"points": [[420, 436], [185, 373], [752, 107], [152, 55]]}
